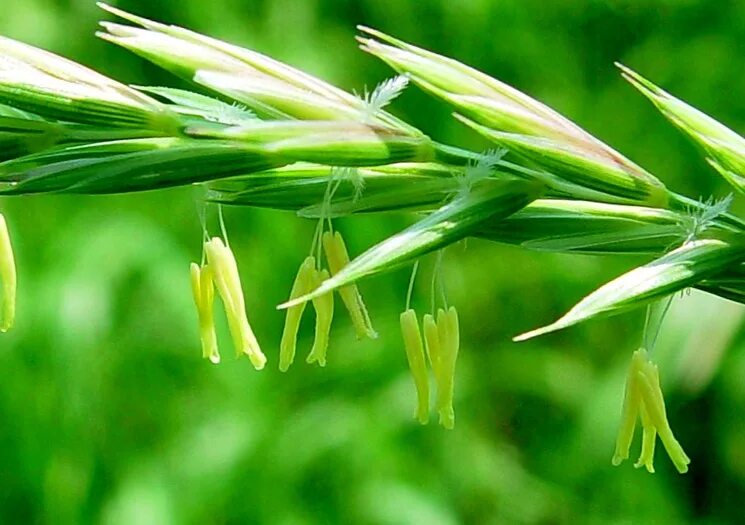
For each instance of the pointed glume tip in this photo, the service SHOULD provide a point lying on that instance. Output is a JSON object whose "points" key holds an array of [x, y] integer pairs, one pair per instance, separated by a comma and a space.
{"points": [[535, 333]]}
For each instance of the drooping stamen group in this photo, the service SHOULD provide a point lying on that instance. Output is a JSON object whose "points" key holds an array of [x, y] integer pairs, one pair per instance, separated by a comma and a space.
{"points": [[643, 399], [221, 271], [442, 341]]}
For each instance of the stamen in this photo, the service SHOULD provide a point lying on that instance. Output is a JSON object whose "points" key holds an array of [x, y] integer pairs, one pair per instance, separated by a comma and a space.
{"points": [[449, 335], [655, 404], [338, 257], [649, 435], [227, 280], [204, 295], [630, 410], [324, 307], [643, 398], [303, 284], [415, 356]]}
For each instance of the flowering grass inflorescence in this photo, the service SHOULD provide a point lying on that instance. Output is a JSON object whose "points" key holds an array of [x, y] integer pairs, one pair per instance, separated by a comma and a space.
{"points": [[265, 134]]}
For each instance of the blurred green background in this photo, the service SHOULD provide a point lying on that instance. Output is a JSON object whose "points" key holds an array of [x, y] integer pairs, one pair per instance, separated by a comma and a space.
{"points": [[109, 415]]}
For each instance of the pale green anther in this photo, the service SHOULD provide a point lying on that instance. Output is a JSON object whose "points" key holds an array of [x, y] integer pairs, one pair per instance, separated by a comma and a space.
{"points": [[417, 364], [630, 410], [643, 398], [225, 275], [649, 436], [338, 258], [8, 277], [432, 342], [448, 330], [204, 295], [302, 285], [324, 307], [655, 405]]}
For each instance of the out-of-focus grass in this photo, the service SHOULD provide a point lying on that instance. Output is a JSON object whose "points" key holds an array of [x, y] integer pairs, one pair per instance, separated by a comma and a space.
{"points": [[109, 415]]}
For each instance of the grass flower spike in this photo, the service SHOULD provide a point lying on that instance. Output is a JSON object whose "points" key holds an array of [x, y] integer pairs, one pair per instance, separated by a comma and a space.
{"points": [[224, 269], [643, 400], [417, 362], [338, 258], [8, 277], [272, 136], [204, 297]]}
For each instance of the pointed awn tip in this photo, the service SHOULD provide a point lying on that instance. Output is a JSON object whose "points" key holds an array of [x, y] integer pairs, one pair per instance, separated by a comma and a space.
{"points": [[537, 332], [305, 298]]}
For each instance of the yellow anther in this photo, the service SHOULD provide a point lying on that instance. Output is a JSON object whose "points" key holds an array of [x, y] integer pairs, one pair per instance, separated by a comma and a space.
{"points": [[643, 398], [8, 276], [649, 436], [204, 296], [303, 284], [417, 364], [654, 403], [630, 410], [338, 257], [449, 335], [432, 342], [225, 276], [324, 307]]}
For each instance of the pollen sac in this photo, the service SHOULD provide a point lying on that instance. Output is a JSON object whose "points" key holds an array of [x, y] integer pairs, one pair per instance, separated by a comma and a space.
{"points": [[303, 284], [643, 399], [225, 276], [630, 410], [415, 355], [449, 335], [204, 296], [649, 436], [8, 276], [432, 341], [654, 403], [324, 307], [338, 258]]}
